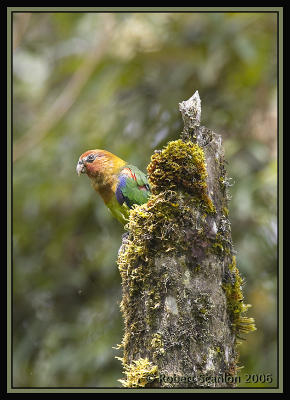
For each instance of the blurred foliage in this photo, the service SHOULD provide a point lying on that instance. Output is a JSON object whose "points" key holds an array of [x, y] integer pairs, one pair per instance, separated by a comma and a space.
{"points": [[114, 81]]}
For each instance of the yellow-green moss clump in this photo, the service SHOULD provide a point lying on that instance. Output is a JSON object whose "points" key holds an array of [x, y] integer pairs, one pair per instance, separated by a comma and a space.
{"points": [[236, 306], [180, 166], [154, 224], [139, 373], [177, 176]]}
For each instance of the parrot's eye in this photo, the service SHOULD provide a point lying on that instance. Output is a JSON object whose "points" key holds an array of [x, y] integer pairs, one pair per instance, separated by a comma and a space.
{"points": [[91, 157]]}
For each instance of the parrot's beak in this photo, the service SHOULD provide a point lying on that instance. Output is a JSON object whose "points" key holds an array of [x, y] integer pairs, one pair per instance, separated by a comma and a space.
{"points": [[81, 169]]}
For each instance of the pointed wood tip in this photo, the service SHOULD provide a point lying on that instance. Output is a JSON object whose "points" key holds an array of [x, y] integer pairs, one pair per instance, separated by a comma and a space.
{"points": [[191, 111]]}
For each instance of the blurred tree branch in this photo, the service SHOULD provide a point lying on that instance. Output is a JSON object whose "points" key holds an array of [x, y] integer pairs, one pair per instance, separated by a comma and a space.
{"points": [[68, 96], [19, 27]]}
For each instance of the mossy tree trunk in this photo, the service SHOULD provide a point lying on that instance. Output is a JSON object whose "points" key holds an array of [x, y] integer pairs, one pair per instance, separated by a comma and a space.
{"points": [[182, 301]]}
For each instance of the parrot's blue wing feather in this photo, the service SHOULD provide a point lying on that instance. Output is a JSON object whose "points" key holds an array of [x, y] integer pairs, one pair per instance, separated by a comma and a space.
{"points": [[133, 187], [121, 185]]}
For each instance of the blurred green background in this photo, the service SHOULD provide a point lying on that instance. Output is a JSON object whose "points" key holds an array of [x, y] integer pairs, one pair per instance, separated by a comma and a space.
{"points": [[114, 80]]}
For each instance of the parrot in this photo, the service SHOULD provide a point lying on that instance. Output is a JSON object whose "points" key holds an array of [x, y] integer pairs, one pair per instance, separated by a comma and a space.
{"points": [[120, 184]]}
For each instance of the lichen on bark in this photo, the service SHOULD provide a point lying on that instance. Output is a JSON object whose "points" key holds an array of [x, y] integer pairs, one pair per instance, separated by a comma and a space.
{"points": [[182, 299]]}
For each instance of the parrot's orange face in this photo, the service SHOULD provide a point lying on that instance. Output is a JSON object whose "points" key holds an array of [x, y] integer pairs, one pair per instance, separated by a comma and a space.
{"points": [[98, 164], [91, 163]]}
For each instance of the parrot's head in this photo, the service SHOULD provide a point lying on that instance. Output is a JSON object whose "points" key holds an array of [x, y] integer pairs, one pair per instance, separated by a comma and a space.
{"points": [[99, 165]]}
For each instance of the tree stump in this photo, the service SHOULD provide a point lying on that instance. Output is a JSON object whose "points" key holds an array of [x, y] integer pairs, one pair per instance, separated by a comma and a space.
{"points": [[182, 299]]}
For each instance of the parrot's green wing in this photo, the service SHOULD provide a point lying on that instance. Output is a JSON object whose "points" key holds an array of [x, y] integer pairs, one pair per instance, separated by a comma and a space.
{"points": [[133, 187]]}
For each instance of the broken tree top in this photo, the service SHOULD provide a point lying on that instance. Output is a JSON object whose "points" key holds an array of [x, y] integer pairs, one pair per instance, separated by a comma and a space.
{"points": [[191, 111]]}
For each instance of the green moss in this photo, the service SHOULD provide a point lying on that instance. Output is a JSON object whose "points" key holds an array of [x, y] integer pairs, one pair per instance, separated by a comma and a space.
{"points": [[139, 373], [225, 211], [180, 166], [197, 268], [177, 175], [233, 264], [218, 246], [157, 345], [236, 305], [159, 219]]}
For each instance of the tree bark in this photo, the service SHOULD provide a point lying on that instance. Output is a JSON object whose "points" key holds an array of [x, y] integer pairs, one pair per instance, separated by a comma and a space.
{"points": [[182, 300]]}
